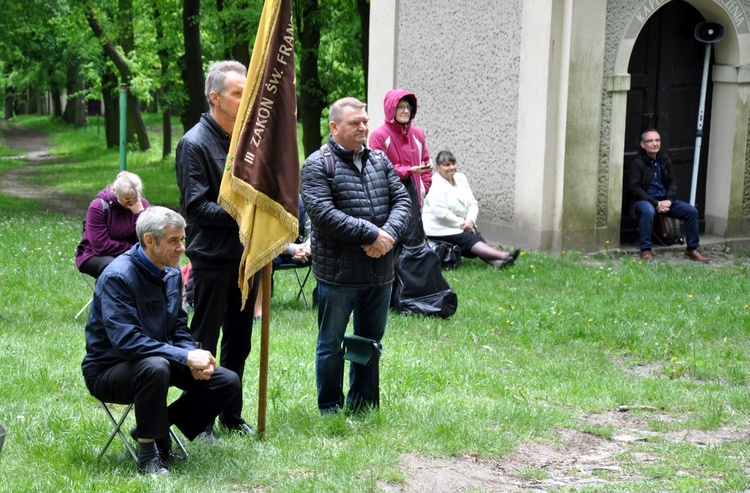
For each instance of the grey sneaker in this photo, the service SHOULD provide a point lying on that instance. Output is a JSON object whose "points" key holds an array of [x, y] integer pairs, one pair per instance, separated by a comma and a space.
{"points": [[206, 436], [154, 466]]}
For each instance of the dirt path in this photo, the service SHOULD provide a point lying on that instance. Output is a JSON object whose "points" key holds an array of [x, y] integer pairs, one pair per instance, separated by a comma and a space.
{"points": [[24, 182]]}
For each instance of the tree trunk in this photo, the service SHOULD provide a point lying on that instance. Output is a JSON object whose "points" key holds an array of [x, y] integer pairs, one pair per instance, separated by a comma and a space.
{"points": [[135, 125], [56, 103], [193, 73], [75, 109], [136, 128], [124, 19], [166, 121], [32, 100], [110, 96], [363, 6], [312, 99], [8, 103], [241, 53], [40, 102], [19, 105], [153, 105]]}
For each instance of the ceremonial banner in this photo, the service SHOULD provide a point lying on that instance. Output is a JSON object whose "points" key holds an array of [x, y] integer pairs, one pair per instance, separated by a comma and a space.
{"points": [[260, 186]]}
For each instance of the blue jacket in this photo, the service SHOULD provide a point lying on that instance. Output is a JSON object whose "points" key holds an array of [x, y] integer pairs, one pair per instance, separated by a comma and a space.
{"points": [[137, 312]]}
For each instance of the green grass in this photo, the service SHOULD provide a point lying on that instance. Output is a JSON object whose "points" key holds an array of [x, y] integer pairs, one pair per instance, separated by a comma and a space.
{"points": [[532, 349]]}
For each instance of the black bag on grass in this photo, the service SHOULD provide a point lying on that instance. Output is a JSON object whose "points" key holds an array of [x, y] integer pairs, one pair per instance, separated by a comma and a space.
{"points": [[419, 286], [449, 254]]}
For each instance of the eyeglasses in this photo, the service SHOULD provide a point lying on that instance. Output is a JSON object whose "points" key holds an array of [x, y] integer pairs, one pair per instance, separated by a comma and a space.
{"points": [[127, 201], [404, 108]]}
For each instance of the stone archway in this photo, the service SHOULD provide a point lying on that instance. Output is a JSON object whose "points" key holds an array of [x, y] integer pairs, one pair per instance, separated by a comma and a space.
{"points": [[666, 69], [726, 181]]}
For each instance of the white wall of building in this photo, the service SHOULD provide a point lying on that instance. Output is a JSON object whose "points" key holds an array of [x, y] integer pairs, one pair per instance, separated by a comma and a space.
{"points": [[531, 96]]}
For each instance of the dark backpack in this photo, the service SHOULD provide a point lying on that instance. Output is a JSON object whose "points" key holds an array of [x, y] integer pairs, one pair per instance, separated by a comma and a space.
{"points": [[449, 254], [105, 209], [669, 232], [330, 162]]}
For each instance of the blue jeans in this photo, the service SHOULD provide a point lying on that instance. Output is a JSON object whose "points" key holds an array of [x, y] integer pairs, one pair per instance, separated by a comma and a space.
{"points": [[679, 210], [335, 306]]}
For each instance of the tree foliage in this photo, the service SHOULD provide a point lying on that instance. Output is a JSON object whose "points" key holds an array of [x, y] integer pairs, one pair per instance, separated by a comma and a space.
{"points": [[59, 54]]}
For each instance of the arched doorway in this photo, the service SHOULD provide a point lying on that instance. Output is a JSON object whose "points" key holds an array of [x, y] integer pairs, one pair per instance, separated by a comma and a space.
{"points": [[666, 67]]}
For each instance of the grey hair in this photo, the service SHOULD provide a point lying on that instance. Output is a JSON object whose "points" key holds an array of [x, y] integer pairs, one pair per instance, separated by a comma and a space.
{"points": [[643, 135], [157, 220], [445, 156], [127, 184], [335, 113], [217, 76]]}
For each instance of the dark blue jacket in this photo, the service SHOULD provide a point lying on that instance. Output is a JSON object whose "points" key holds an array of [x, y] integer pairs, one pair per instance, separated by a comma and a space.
{"points": [[347, 210], [136, 312]]}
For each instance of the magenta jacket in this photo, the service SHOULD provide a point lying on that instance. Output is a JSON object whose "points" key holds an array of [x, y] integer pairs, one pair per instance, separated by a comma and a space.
{"points": [[110, 238], [403, 144]]}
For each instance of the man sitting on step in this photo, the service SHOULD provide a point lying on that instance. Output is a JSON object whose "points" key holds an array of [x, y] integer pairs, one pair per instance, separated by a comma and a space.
{"points": [[652, 186]]}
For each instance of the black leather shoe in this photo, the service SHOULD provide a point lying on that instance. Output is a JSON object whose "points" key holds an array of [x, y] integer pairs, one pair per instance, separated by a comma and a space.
{"points": [[154, 466], [506, 263], [242, 429], [515, 254]]}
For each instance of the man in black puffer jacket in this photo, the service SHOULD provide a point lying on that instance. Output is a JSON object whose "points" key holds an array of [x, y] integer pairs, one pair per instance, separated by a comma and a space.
{"points": [[359, 209]]}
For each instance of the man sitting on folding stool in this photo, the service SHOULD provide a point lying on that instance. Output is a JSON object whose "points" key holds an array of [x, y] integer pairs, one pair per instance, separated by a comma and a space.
{"points": [[138, 343]]}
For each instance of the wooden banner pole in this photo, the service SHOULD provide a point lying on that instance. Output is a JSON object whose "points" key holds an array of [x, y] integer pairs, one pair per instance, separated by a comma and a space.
{"points": [[264, 338]]}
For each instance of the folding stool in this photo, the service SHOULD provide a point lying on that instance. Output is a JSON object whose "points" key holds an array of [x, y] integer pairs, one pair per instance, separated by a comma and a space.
{"points": [[87, 279], [300, 281], [117, 423]]}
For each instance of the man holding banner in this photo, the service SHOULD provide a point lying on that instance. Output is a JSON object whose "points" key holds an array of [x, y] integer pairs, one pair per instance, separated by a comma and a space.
{"points": [[359, 209], [260, 185], [213, 240]]}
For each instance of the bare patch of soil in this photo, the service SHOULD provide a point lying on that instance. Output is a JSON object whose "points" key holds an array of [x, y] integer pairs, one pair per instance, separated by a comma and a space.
{"points": [[604, 450], [576, 459], [24, 182]]}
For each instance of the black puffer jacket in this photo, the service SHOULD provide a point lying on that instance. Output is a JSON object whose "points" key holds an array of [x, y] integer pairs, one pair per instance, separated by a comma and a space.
{"points": [[212, 234], [347, 210]]}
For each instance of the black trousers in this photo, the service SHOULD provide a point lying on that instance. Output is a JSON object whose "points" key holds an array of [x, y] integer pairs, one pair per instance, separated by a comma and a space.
{"points": [[217, 311], [414, 234], [95, 265], [146, 382]]}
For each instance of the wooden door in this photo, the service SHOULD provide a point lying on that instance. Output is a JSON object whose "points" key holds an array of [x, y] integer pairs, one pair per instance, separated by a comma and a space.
{"points": [[666, 68]]}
